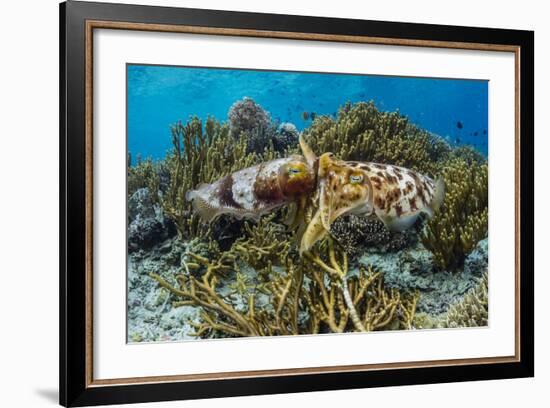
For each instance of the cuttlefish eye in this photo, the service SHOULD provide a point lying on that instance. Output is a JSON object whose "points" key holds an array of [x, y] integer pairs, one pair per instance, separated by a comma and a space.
{"points": [[296, 178], [294, 170], [356, 178]]}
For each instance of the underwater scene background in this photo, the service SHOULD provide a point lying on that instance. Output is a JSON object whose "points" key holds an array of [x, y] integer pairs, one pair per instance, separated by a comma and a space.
{"points": [[235, 274]]}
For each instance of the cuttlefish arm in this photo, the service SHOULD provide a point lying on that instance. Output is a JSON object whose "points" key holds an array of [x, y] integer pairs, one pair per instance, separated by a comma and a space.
{"points": [[310, 157], [342, 189]]}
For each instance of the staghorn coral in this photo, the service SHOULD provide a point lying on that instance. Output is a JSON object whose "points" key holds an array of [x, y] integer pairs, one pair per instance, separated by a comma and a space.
{"points": [[358, 303], [463, 219], [201, 154], [362, 132], [265, 243], [469, 155], [221, 316], [470, 311], [308, 296]]}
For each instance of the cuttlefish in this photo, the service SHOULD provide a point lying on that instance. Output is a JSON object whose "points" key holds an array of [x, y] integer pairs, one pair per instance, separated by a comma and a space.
{"points": [[395, 195], [257, 190]]}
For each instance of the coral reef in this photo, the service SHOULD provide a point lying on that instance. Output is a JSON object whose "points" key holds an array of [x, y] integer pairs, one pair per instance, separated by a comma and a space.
{"points": [[472, 310], [247, 118], [146, 222], [463, 219], [190, 279], [264, 243], [413, 269], [362, 132], [300, 297], [144, 174], [286, 137]]}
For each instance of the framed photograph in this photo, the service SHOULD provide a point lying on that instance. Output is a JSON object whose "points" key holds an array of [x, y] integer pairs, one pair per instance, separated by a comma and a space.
{"points": [[256, 203]]}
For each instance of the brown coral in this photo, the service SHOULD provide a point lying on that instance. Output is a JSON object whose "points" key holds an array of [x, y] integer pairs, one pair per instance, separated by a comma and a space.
{"points": [[362, 132], [463, 220], [472, 310]]}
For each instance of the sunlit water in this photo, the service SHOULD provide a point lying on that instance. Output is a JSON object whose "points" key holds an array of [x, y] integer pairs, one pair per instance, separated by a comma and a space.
{"points": [[159, 96]]}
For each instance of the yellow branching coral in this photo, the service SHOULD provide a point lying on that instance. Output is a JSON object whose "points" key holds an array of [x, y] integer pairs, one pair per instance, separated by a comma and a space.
{"points": [[144, 174], [264, 243], [472, 310], [312, 296], [362, 132], [220, 315], [338, 300], [463, 219], [202, 155]]}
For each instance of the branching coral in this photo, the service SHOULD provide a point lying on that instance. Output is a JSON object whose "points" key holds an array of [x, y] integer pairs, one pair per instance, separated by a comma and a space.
{"points": [[220, 315], [463, 219], [144, 174], [362, 132], [311, 296], [264, 243], [472, 310], [361, 299]]}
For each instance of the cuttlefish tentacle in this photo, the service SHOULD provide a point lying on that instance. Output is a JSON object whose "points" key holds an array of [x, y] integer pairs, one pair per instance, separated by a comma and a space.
{"points": [[311, 157]]}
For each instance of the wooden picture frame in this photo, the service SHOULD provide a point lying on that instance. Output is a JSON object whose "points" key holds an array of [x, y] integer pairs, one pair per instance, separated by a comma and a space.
{"points": [[78, 20]]}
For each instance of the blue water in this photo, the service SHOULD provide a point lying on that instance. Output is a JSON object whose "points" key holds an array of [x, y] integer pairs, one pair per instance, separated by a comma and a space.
{"points": [[159, 96]]}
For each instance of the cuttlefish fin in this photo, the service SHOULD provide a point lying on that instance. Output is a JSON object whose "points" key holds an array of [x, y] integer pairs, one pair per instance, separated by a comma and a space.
{"points": [[437, 199], [200, 205], [401, 223], [311, 158], [407, 221], [439, 195], [314, 232]]}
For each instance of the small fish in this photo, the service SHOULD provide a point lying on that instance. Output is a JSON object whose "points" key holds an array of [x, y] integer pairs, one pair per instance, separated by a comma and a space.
{"points": [[313, 115], [305, 115], [256, 190], [459, 125], [395, 195], [484, 131], [476, 133]]}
